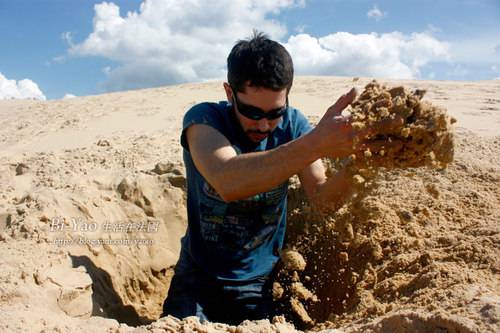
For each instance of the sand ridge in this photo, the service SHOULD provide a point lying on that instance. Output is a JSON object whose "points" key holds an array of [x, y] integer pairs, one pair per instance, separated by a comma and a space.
{"points": [[421, 248]]}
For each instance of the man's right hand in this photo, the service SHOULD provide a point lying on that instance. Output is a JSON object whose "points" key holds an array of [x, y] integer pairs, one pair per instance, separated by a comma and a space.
{"points": [[336, 137], [334, 133]]}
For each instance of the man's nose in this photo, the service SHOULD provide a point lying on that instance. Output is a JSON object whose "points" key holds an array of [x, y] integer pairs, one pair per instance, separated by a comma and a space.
{"points": [[264, 125]]}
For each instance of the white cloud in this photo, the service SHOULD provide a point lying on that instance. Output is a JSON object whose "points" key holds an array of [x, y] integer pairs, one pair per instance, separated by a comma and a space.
{"points": [[167, 42], [376, 13], [22, 89], [477, 50], [68, 96], [173, 41], [431, 28], [67, 37], [390, 55]]}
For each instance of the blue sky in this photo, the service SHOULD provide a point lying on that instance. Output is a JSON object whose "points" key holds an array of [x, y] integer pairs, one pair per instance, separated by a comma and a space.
{"points": [[50, 48]]}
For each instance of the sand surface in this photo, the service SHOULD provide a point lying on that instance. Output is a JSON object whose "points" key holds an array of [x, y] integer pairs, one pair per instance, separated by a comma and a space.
{"points": [[92, 207]]}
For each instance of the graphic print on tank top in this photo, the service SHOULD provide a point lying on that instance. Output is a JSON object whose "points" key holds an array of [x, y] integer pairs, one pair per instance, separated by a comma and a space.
{"points": [[239, 226]]}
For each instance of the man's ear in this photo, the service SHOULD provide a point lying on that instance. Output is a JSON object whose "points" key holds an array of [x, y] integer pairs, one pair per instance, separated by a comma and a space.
{"points": [[229, 92]]}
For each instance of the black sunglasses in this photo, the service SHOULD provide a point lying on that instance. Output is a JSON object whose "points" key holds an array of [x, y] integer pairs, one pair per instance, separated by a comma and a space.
{"points": [[255, 113]]}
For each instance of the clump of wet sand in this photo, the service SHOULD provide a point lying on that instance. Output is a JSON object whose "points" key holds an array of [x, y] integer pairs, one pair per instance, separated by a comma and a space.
{"points": [[424, 133]]}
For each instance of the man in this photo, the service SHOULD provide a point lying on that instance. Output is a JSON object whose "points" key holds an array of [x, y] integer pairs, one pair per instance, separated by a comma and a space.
{"points": [[239, 156]]}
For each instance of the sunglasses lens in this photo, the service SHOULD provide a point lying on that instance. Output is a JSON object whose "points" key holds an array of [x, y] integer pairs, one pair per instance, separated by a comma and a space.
{"points": [[250, 113], [276, 114], [254, 113]]}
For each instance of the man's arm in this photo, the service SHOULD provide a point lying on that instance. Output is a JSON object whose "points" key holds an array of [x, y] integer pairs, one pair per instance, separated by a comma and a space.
{"points": [[237, 177], [326, 194]]}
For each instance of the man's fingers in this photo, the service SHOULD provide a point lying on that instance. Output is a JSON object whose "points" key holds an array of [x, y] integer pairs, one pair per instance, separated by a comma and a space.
{"points": [[341, 104]]}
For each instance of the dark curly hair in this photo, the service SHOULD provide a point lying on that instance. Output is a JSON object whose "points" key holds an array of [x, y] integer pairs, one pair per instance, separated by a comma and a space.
{"points": [[260, 62]]}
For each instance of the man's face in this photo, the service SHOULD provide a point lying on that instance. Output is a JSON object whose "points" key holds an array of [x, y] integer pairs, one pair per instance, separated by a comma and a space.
{"points": [[267, 100]]}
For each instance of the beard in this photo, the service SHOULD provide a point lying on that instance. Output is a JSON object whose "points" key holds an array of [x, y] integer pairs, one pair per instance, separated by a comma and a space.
{"points": [[256, 135]]}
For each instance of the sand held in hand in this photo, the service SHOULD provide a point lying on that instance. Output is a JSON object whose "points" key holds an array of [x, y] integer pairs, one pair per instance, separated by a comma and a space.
{"points": [[425, 133]]}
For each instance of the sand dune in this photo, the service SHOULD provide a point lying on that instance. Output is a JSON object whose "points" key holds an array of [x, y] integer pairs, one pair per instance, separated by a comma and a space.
{"points": [[92, 207]]}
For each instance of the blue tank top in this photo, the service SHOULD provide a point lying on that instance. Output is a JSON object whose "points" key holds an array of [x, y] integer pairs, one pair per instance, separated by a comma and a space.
{"points": [[238, 240]]}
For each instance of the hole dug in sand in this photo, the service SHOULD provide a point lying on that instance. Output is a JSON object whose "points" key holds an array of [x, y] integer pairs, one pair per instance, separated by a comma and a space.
{"points": [[106, 302], [130, 281], [118, 229]]}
